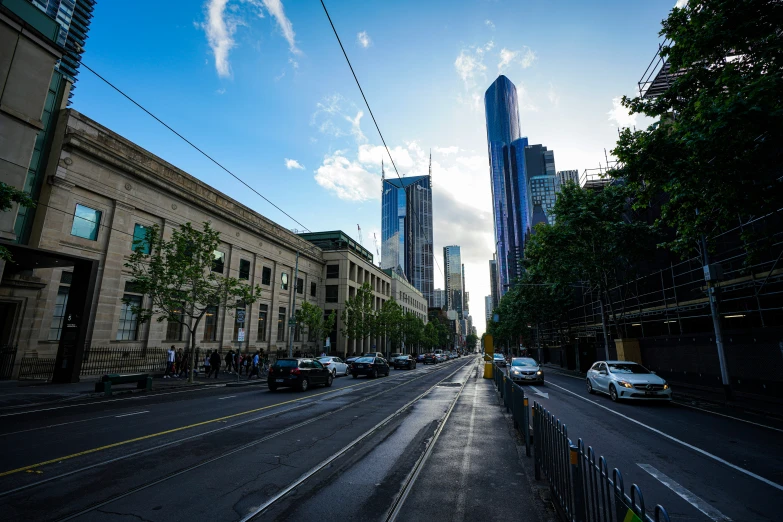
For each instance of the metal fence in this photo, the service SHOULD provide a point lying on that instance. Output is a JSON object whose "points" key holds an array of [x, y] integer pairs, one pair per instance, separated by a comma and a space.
{"points": [[7, 359], [114, 359], [34, 367], [583, 488]]}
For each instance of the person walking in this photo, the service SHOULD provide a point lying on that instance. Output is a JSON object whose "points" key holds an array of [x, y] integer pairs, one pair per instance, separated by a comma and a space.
{"points": [[207, 369], [214, 363], [178, 364], [184, 367], [229, 360], [171, 359], [247, 360], [254, 370]]}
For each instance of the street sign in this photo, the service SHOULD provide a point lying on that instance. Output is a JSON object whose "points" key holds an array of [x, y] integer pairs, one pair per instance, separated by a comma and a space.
{"points": [[240, 316], [292, 322], [241, 335]]}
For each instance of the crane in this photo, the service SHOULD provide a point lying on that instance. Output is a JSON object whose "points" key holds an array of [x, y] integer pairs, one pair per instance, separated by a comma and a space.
{"points": [[375, 240], [361, 241]]}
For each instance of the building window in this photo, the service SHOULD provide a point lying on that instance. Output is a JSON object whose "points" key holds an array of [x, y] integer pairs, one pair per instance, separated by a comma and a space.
{"points": [[284, 281], [297, 333], [86, 221], [218, 261], [281, 324], [128, 329], [262, 312], [174, 328], [210, 323], [56, 327], [313, 289], [140, 241], [299, 285], [331, 293], [244, 269], [266, 276], [332, 271]]}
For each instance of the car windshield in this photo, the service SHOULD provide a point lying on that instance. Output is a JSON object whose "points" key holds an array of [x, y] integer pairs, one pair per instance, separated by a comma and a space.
{"points": [[287, 363], [365, 359], [498, 356], [524, 362], [627, 368]]}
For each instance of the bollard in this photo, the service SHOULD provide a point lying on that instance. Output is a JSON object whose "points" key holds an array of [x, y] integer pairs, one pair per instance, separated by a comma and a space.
{"points": [[576, 484], [526, 424]]}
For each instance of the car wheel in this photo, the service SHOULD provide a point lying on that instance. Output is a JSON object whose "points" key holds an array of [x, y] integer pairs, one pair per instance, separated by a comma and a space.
{"points": [[303, 385], [590, 387], [387, 373], [374, 374], [272, 387], [334, 373], [329, 380], [347, 371], [612, 393], [355, 376]]}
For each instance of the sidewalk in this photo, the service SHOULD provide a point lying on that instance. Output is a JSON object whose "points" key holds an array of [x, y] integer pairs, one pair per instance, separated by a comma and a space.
{"points": [[477, 469], [16, 394]]}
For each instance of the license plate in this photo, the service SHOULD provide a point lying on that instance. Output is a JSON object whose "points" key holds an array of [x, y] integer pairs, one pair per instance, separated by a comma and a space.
{"points": [[361, 366], [530, 376], [279, 380], [650, 393]]}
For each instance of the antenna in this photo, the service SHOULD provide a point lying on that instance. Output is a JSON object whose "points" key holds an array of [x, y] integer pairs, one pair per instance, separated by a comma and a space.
{"points": [[383, 174], [378, 252], [430, 162], [361, 241]]}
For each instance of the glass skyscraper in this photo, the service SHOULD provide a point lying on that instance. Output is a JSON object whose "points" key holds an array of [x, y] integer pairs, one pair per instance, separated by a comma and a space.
{"points": [[510, 199], [544, 183], [452, 265], [406, 231]]}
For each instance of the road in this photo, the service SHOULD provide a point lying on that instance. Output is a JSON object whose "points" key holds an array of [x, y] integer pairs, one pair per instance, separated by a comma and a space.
{"points": [[701, 463], [361, 450]]}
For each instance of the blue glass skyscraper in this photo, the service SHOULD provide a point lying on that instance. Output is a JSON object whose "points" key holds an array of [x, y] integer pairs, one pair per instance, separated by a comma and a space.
{"points": [[508, 177]]}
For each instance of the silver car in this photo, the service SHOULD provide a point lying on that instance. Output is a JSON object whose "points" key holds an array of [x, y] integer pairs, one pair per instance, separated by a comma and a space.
{"points": [[626, 380], [525, 369]]}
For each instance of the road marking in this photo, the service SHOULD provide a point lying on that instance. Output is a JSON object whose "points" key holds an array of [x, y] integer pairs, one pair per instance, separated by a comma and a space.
{"points": [[54, 425], [538, 392], [674, 439], [566, 374], [729, 417], [689, 497], [129, 414], [229, 397]]}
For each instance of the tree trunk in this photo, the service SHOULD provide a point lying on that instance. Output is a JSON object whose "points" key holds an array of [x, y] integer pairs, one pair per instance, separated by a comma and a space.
{"points": [[603, 324]]}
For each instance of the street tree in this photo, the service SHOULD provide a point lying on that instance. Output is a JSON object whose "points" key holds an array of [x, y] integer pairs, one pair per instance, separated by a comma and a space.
{"points": [[471, 341], [358, 316], [313, 319], [8, 196], [715, 151], [181, 279], [390, 323]]}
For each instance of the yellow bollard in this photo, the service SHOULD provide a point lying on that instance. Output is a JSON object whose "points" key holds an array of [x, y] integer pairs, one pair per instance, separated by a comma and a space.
{"points": [[487, 370]]}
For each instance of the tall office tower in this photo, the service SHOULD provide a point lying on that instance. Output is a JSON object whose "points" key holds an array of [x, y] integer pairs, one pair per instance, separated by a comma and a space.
{"points": [[438, 298], [74, 18], [543, 181], [465, 296], [406, 229], [508, 177], [494, 287], [488, 307], [452, 265], [564, 176]]}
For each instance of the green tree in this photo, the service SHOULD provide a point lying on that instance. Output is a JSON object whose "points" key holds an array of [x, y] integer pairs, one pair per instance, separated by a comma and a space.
{"points": [[312, 318], [8, 196], [390, 323], [412, 330], [715, 152], [181, 281], [430, 335], [358, 316], [471, 341]]}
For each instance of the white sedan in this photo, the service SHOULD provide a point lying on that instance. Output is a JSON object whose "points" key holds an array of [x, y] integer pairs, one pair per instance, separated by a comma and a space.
{"points": [[627, 380], [335, 365]]}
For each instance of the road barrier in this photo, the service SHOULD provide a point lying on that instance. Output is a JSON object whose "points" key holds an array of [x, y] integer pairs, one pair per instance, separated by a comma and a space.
{"points": [[583, 488]]}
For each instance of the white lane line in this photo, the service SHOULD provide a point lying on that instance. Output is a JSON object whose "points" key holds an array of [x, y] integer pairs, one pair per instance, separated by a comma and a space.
{"points": [[55, 425], [729, 417], [229, 397], [686, 494], [129, 414], [678, 441], [537, 391]]}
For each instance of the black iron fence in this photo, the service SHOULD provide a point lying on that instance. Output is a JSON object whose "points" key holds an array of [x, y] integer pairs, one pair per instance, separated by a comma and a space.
{"points": [[583, 488], [7, 359], [34, 367], [120, 359]]}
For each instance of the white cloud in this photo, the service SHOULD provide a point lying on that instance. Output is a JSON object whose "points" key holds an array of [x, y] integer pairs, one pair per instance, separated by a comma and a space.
{"points": [[363, 39], [554, 97], [348, 179], [489, 24], [524, 100], [681, 3], [506, 57], [524, 57], [356, 127], [293, 63], [222, 90], [619, 114], [331, 115], [275, 8], [446, 150], [373, 154], [220, 30], [293, 164], [469, 65]]}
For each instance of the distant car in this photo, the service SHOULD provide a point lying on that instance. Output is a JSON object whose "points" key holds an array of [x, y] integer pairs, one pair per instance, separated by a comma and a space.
{"points": [[335, 365], [394, 355], [369, 366], [626, 380], [404, 361], [442, 357], [525, 369], [431, 358], [499, 359], [298, 373], [420, 358], [351, 359], [374, 354]]}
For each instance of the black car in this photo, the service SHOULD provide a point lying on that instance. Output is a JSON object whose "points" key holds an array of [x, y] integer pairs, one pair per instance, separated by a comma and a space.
{"points": [[404, 361], [370, 366], [431, 358], [298, 373]]}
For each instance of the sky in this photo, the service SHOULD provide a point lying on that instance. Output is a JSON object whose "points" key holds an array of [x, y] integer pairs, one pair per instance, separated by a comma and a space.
{"points": [[262, 86]]}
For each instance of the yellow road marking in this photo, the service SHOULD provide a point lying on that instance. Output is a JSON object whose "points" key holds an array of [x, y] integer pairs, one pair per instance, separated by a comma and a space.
{"points": [[173, 430]]}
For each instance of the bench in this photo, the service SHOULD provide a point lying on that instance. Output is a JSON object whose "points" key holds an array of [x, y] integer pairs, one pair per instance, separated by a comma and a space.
{"points": [[143, 382]]}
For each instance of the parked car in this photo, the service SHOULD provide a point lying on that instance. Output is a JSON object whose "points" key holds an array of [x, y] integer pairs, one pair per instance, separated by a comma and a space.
{"points": [[336, 365], [351, 359], [420, 357], [499, 360], [431, 358], [404, 361], [374, 354], [298, 373], [626, 380], [453, 355], [442, 357], [369, 366], [525, 369], [394, 355]]}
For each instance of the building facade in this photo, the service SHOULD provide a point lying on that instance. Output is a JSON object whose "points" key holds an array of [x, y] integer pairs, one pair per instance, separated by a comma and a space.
{"points": [[452, 266], [543, 180], [488, 307], [406, 230], [494, 283], [407, 296], [564, 176], [438, 298]]}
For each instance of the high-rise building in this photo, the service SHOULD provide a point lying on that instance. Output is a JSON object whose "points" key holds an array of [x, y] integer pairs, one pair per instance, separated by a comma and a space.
{"points": [[438, 298], [488, 307], [74, 18], [507, 165], [406, 232], [543, 181], [494, 283], [452, 265], [565, 176], [465, 295]]}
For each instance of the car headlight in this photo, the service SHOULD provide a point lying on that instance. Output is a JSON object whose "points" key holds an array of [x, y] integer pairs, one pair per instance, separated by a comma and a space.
{"points": [[539, 372], [625, 384], [515, 372], [665, 386]]}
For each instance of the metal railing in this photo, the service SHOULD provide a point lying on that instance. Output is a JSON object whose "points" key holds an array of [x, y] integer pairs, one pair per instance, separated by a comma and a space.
{"points": [[120, 359], [7, 359], [33, 367]]}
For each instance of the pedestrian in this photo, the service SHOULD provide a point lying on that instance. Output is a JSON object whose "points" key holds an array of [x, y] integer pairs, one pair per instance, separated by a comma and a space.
{"points": [[207, 370], [247, 361], [178, 364], [254, 370], [170, 361], [214, 363], [184, 364], [229, 360], [237, 357]]}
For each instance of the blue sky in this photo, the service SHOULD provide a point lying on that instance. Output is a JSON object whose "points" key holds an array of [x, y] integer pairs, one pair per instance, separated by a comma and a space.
{"points": [[263, 87]]}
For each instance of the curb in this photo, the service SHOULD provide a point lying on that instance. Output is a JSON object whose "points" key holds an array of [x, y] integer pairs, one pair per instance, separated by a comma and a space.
{"points": [[240, 384]]}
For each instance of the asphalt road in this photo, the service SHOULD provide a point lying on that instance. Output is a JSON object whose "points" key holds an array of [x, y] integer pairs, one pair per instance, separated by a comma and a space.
{"points": [[348, 451], [699, 462]]}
